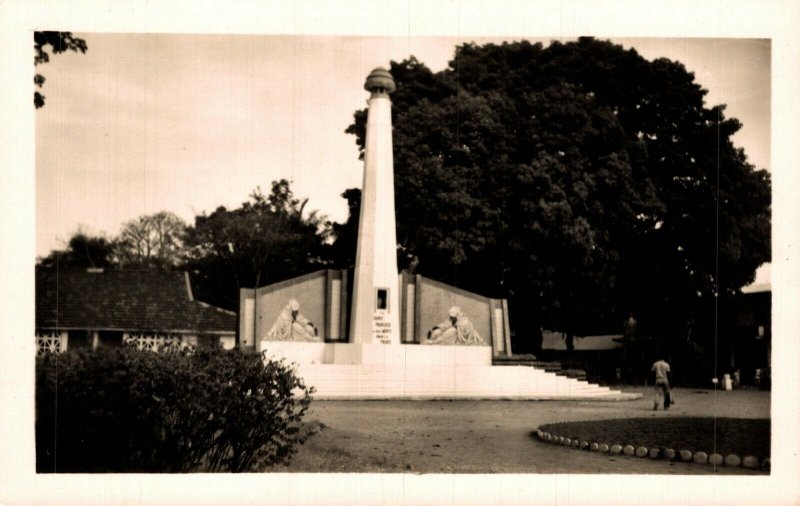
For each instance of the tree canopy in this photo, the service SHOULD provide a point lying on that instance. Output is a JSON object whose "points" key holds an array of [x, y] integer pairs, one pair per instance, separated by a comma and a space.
{"points": [[341, 253], [265, 240], [579, 180], [59, 42], [83, 251], [152, 241]]}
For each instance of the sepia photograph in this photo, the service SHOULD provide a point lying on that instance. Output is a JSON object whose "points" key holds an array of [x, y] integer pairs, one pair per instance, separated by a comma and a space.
{"points": [[422, 264]]}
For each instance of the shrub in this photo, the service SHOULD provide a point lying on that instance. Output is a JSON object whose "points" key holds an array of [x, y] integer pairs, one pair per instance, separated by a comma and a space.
{"points": [[124, 410]]}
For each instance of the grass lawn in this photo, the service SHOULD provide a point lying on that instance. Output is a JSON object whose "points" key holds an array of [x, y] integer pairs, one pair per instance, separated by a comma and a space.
{"points": [[321, 455], [711, 435]]}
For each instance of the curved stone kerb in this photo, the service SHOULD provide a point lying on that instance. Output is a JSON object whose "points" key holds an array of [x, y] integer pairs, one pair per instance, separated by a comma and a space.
{"points": [[668, 454]]}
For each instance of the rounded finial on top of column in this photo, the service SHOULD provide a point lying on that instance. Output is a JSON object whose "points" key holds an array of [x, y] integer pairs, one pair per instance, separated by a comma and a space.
{"points": [[379, 81]]}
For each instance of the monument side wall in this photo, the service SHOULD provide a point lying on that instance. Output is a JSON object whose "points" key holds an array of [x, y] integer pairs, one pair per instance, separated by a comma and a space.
{"points": [[309, 290], [436, 298]]}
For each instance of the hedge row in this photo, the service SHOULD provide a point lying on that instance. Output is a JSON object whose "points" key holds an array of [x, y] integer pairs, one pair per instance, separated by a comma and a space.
{"points": [[124, 410]]}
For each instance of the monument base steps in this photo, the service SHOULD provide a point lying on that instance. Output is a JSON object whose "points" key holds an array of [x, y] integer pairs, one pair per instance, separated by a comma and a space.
{"points": [[375, 371]]}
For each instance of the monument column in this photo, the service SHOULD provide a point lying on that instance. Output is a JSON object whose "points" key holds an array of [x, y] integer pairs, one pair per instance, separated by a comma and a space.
{"points": [[375, 316]]}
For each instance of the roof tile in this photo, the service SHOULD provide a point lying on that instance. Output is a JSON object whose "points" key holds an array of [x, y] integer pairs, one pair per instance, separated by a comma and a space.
{"points": [[124, 300]]}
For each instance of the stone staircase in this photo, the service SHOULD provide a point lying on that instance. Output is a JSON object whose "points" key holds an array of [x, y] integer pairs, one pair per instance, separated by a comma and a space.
{"points": [[532, 361], [512, 382], [365, 371]]}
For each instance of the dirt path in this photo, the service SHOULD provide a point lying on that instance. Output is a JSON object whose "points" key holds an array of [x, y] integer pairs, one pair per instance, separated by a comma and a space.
{"points": [[496, 436]]}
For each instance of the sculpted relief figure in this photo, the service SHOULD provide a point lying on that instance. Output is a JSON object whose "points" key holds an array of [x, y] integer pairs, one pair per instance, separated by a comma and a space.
{"points": [[292, 325], [457, 329]]}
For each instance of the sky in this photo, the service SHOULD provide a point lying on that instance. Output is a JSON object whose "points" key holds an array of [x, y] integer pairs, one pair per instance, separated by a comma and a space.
{"points": [[184, 123]]}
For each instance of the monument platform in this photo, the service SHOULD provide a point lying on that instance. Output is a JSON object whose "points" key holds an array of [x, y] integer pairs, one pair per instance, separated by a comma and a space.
{"points": [[347, 371], [377, 354]]}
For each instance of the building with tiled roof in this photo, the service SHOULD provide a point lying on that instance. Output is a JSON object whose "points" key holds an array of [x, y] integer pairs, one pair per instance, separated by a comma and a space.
{"points": [[150, 309]]}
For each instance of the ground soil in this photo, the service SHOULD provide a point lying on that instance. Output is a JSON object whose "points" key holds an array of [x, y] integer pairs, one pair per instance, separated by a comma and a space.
{"points": [[497, 436]]}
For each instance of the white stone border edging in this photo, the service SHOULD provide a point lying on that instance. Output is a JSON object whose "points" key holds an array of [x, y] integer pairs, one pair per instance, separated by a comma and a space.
{"points": [[668, 454]]}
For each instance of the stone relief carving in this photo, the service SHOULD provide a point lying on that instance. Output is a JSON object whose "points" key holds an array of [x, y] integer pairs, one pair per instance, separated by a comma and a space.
{"points": [[291, 325], [457, 329]]}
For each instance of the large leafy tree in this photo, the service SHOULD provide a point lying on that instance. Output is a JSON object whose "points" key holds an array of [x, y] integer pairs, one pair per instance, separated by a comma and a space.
{"points": [[579, 180], [59, 42], [83, 251], [265, 240], [153, 241], [341, 253]]}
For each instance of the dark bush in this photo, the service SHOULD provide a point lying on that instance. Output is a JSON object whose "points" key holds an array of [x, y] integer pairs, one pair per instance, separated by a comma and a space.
{"points": [[124, 410]]}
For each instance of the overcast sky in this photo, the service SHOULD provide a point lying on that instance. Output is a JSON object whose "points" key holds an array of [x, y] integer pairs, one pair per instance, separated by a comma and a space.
{"points": [[185, 123]]}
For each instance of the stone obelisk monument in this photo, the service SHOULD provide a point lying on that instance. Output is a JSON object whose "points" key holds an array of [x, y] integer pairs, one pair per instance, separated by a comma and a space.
{"points": [[375, 316]]}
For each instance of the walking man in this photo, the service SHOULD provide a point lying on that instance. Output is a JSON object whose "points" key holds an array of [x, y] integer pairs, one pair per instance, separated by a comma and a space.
{"points": [[661, 369]]}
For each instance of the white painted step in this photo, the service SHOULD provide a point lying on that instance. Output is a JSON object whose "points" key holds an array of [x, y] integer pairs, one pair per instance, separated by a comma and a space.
{"points": [[333, 381]]}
